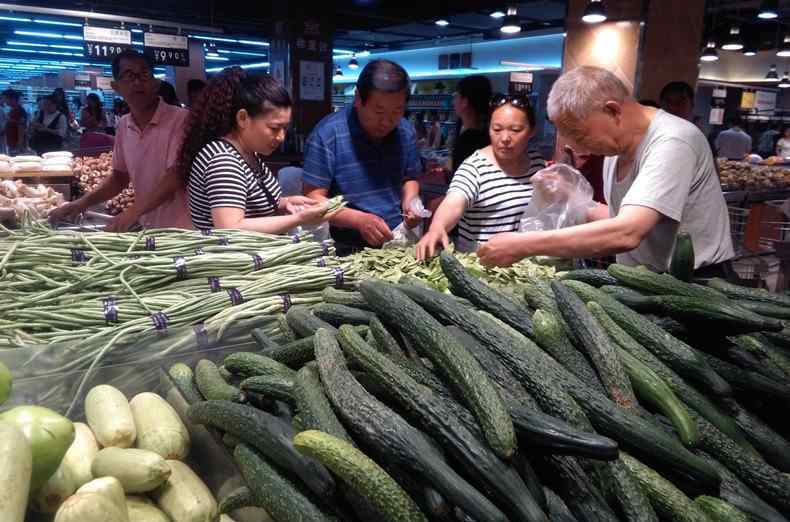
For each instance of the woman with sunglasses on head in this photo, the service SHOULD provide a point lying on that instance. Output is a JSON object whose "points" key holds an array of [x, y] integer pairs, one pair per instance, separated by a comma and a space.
{"points": [[240, 120], [491, 188]]}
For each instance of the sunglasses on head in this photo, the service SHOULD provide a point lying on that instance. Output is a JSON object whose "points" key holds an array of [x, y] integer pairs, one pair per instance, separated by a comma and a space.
{"points": [[516, 100]]}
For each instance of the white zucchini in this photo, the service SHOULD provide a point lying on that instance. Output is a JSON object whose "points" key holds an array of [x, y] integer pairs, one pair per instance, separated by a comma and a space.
{"points": [[81, 453], [110, 417], [141, 509], [91, 507], [55, 491], [184, 497], [109, 487], [16, 468], [138, 471], [225, 518], [159, 428]]}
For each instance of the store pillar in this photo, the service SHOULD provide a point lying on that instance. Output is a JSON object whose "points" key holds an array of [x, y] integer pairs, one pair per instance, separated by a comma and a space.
{"points": [[196, 69]]}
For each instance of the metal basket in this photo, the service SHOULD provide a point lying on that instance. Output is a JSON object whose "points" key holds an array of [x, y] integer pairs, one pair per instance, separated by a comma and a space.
{"points": [[739, 217], [775, 232]]}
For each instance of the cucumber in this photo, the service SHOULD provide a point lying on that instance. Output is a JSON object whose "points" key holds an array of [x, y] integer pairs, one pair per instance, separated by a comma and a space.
{"points": [[598, 346], [81, 454], [286, 331], [332, 295], [720, 511], [760, 346], [185, 496], [361, 473], [110, 417], [16, 468], [634, 504], [184, 379], [384, 339], [138, 471], [622, 293], [674, 352], [275, 387], [558, 510], [159, 428], [530, 477], [476, 459], [774, 447], [313, 406], [378, 427], [749, 294], [766, 309], [298, 353], [682, 264], [460, 367], [337, 315], [660, 284], [247, 364], [575, 487], [211, 384], [592, 276], [304, 323], [238, 498], [263, 340], [748, 380], [269, 435], [483, 296], [668, 501]]}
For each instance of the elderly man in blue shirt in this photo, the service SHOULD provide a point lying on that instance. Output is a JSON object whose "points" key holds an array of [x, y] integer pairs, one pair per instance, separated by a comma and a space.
{"points": [[367, 153]]}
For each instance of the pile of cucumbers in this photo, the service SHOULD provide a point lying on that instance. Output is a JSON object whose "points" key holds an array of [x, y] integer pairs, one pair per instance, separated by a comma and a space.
{"points": [[616, 394]]}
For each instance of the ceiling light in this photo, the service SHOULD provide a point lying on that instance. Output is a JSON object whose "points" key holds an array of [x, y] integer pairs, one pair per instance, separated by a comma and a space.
{"points": [[253, 42], [353, 63], [497, 14], [213, 38], [733, 42], [36, 33], [750, 50], [55, 22], [442, 22], [338, 71], [15, 19], [769, 10], [511, 23], [784, 83], [784, 50], [710, 54], [594, 13], [772, 76]]}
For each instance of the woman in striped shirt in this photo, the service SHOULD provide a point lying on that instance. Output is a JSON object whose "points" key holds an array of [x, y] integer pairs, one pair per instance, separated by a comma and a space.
{"points": [[491, 189], [240, 120]]}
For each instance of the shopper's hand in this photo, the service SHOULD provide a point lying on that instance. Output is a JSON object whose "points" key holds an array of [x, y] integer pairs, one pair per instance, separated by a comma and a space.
{"points": [[503, 249], [313, 214], [427, 247], [410, 218], [65, 211], [122, 222], [295, 204], [374, 230]]}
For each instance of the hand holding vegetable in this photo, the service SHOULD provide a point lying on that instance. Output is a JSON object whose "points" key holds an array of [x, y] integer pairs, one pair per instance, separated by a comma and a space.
{"points": [[312, 215], [428, 245], [374, 230], [295, 204], [122, 222], [66, 211], [502, 249]]}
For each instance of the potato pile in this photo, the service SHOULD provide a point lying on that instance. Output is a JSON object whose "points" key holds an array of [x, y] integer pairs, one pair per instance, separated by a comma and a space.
{"points": [[91, 171], [739, 175], [17, 199]]}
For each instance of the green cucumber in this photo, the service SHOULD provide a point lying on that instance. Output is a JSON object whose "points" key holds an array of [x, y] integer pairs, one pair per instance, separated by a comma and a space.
{"points": [[276, 387], [674, 352], [286, 331], [764, 349], [748, 380], [628, 493], [312, 404], [473, 455], [274, 492], [237, 499], [184, 379], [304, 323], [263, 340], [298, 353], [384, 339], [774, 447], [668, 501], [483, 296], [269, 435], [682, 264], [377, 426], [530, 477], [597, 344], [749, 294], [337, 315], [592, 276], [766, 309], [575, 487], [557, 508], [332, 295], [211, 384], [247, 364], [660, 284], [720, 511], [468, 378], [621, 292]]}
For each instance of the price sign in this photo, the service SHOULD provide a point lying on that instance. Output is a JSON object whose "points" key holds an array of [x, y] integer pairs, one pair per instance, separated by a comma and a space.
{"points": [[102, 43], [167, 49]]}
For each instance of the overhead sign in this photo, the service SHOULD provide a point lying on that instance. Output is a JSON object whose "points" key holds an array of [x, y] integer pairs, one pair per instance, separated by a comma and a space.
{"points": [[104, 83], [103, 43], [167, 49], [719, 92]]}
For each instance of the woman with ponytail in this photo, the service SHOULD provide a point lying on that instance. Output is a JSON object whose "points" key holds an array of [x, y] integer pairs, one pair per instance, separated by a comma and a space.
{"points": [[240, 119]]}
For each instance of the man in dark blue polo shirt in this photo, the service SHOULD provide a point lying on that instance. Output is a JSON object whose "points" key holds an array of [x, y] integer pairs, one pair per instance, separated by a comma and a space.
{"points": [[367, 153]]}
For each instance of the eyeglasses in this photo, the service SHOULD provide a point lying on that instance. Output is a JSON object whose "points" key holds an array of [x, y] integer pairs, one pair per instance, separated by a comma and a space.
{"points": [[130, 76], [516, 100]]}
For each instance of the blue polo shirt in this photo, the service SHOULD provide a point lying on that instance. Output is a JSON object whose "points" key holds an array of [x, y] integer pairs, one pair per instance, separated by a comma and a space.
{"points": [[340, 157]]}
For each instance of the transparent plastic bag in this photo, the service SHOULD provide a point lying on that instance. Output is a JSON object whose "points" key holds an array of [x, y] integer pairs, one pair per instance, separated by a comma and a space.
{"points": [[561, 198], [402, 233]]}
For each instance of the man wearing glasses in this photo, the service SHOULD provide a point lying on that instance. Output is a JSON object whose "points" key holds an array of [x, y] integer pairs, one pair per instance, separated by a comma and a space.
{"points": [[147, 141]]}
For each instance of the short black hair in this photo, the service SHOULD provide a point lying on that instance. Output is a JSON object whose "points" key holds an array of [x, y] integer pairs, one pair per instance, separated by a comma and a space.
{"points": [[649, 103], [677, 87], [734, 121], [385, 76], [130, 54], [477, 89], [168, 93], [11, 93], [195, 84]]}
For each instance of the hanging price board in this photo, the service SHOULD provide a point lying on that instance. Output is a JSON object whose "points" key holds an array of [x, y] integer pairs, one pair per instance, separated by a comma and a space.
{"points": [[167, 49], [102, 43]]}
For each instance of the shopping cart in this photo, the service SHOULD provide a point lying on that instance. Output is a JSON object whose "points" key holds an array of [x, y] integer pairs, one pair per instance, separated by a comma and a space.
{"points": [[739, 218]]}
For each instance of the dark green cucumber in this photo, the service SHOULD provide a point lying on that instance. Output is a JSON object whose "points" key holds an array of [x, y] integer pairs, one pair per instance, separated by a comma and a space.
{"points": [[669, 325], [761, 347], [385, 340], [597, 344], [230, 441], [539, 296], [766, 309], [660, 284], [633, 503], [378, 427], [530, 364], [668, 501], [211, 384], [621, 292], [477, 460], [568, 478], [674, 352], [184, 379], [248, 364], [304, 323], [436, 505], [332, 295], [312, 404], [298, 353], [269, 435], [774, 447], [720, 511], [286, 331], [527, 472], [337, 315], [682, 264], [551, 336], [468, 378], [741, 354], [276, 387], [361, 473], [274, 492], [749, 294], [557, 508], [748, 380], [483, 296], [237, 499], [592, 276], [263, 340]]}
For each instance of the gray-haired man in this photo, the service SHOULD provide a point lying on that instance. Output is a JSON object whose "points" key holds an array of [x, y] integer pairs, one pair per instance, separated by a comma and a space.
{"points": [[659, 179]]}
